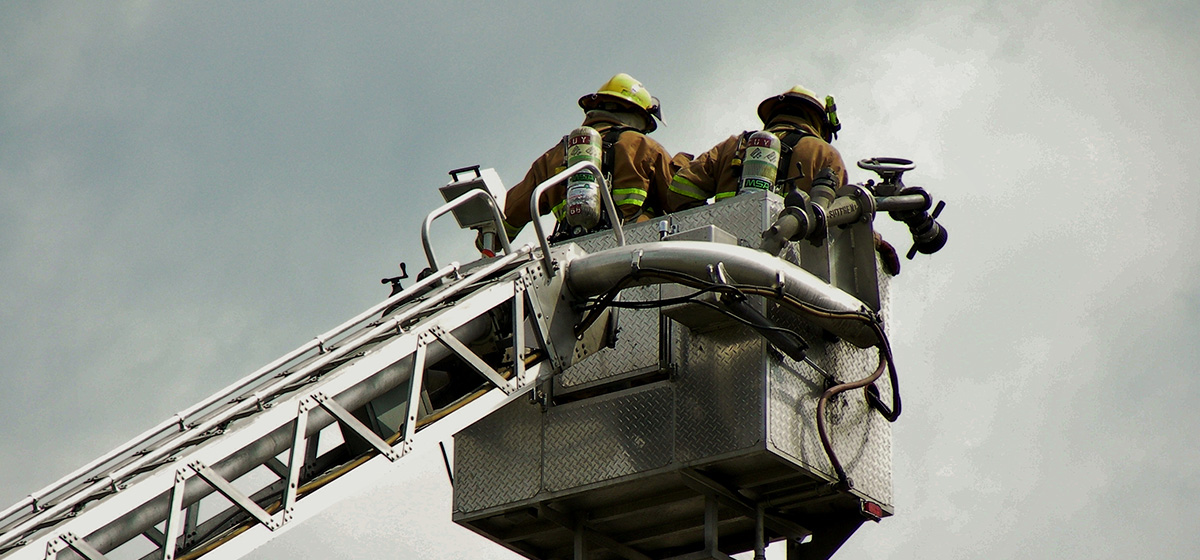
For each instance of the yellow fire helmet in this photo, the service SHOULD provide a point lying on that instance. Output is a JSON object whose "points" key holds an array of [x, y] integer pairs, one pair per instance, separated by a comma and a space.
{"points": [[625, 90], [802, 97]]}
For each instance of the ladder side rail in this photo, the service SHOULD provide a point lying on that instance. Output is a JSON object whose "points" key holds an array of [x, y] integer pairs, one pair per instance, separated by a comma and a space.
{"points": [[141, 502], [451, 423], [180, 419], [605, 196], [266, 391], [280, 384]]}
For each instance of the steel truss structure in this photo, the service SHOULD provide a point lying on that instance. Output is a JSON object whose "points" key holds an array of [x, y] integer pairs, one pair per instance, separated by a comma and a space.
{"points": [[272, 421], [248, 458]]}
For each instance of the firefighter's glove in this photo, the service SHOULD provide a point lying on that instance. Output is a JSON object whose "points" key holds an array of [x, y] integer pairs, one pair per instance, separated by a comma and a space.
{"points": [[887, 255]]}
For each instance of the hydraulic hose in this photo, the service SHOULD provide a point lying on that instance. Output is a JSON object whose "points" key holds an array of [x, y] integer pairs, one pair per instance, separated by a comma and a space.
{"points": [[843, 480], [885, 352]]}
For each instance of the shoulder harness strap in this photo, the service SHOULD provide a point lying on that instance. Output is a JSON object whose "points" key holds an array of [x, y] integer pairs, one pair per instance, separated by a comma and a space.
{"points": [[787, 145], [564, 150], [608, 140]]}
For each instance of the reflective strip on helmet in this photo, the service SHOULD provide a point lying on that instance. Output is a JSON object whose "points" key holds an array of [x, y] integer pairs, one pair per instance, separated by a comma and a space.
{"points": [[631, 195], [724, 195], [687, 188]]}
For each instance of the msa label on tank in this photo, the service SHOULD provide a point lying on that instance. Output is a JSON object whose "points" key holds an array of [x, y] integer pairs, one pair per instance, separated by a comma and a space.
{"points": [[755, 183]]}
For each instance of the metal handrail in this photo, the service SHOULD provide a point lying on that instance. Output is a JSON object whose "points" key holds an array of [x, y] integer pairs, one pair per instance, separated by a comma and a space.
{"points": [[66, 502], [605, 195], [459, 201]]}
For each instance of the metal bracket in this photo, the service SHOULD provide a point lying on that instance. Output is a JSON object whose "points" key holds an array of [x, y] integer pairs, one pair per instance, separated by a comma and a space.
{"points": [[518, 326], [471, 358], [541, 327], [70, 540], [348, 420], [416, 379], [234, 495], [296, 460], [706, 485], [176, 514]]}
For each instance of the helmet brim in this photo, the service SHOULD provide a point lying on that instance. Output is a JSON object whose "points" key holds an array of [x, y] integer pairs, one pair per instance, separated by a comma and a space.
{"points": [[772, 105], [593, 101]]}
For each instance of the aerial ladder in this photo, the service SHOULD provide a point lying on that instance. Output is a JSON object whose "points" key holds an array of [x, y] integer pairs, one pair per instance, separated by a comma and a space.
{"points": [[692, 387]]}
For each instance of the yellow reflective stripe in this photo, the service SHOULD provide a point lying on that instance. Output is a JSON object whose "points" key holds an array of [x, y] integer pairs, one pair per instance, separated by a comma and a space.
{"points": [[560, 210], [722, 195], [626, 196], [631, 190], [687, 188], [511, 230], [628, 201]]}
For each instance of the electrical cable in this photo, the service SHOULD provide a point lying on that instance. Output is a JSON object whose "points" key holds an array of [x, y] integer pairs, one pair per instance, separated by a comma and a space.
{"points": [[885, 353]]}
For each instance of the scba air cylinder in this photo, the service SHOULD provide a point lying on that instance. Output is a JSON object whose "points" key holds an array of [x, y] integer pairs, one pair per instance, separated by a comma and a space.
{"points": [[583, 191], [760, 165]]}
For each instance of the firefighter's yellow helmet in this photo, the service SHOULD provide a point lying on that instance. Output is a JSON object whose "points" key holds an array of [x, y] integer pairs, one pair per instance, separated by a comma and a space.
{"points": [[625, 90], [802, 98]]}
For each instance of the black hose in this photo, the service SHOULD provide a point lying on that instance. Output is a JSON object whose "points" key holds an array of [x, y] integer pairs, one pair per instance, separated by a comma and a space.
{"points": [[843, 480], [872, 393]]}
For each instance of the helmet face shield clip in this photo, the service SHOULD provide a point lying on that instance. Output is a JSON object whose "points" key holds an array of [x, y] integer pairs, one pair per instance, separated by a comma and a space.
{"points": [[655, 109]]}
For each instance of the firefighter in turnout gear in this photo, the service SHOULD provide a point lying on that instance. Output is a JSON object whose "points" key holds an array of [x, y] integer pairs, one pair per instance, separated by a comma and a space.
{"points": [[805, 127], [638, 168]]}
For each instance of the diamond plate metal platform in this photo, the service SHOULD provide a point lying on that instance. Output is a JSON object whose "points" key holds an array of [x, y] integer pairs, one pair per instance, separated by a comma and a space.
{"points": [[715, 434]]}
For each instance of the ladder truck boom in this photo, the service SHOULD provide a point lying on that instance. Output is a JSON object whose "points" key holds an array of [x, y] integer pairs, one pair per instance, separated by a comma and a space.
{"points": [[661, 390]]}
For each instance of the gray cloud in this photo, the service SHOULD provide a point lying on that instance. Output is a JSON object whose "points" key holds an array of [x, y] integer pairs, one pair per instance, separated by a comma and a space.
{"points": [[191, 190]]}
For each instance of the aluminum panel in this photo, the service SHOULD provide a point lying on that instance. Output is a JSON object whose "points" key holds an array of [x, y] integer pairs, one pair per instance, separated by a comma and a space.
{"points": [[637, 345], [720, 391], [608, 437], [498, 460], [744, 216], [860, 436], [793, 390]]}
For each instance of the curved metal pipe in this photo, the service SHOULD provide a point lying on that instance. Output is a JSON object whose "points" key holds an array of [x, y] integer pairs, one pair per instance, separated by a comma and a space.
{"points": [[596, 273]]}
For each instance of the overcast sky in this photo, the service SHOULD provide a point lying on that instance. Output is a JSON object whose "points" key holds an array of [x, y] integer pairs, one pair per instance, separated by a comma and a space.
{"points": [[190, 189]]}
